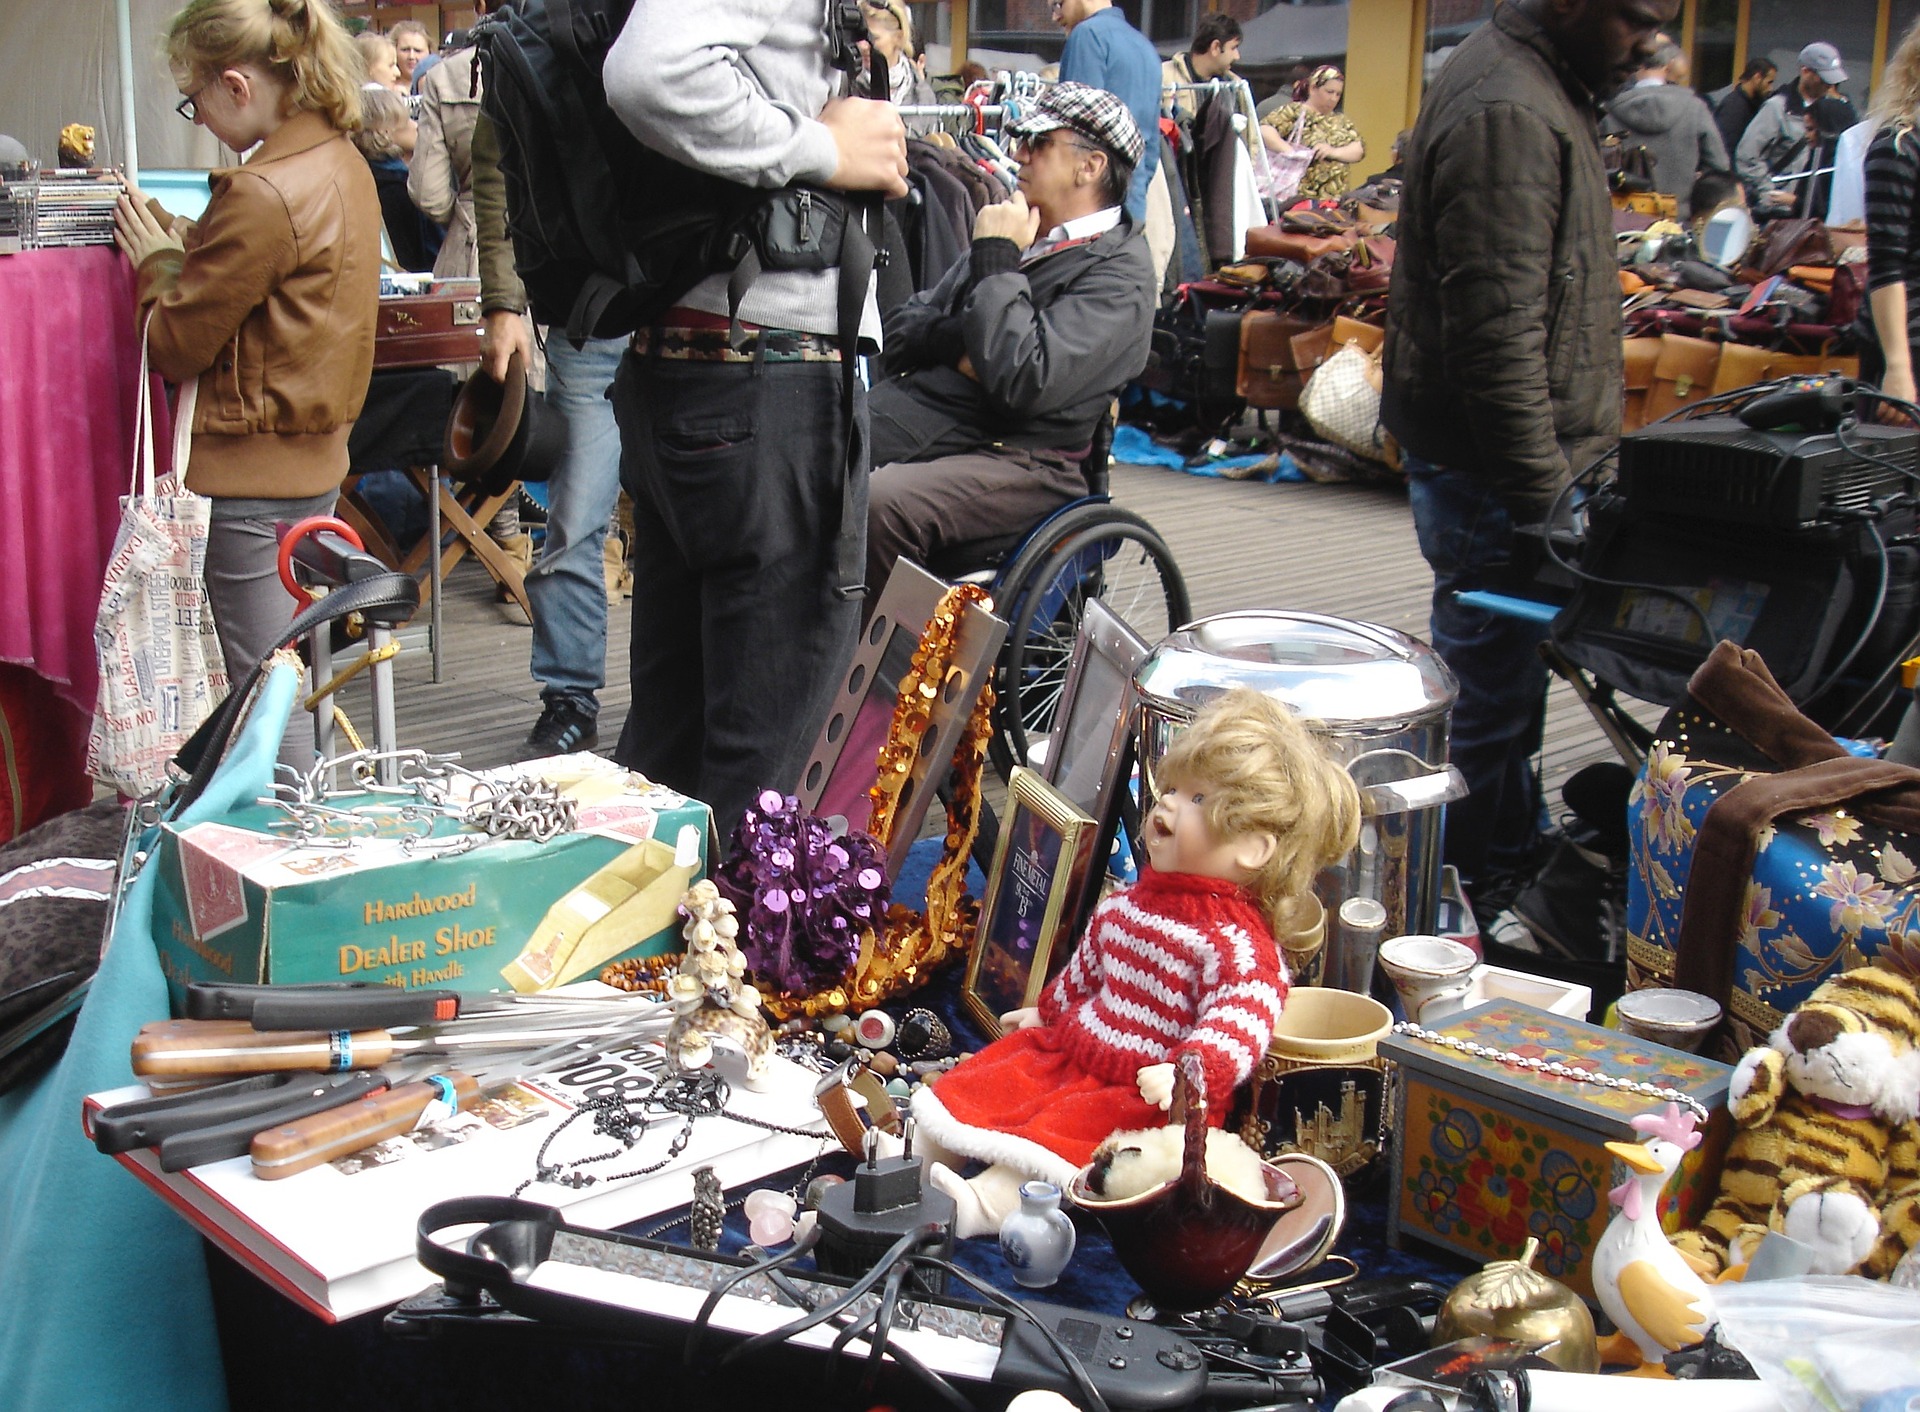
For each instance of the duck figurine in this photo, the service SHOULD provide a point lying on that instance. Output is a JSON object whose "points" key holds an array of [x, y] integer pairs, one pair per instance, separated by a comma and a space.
{"points": [[1656, 1299]]}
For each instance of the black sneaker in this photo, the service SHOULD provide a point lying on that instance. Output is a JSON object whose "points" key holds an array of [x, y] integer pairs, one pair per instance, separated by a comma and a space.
{"points": [[564, 727]]}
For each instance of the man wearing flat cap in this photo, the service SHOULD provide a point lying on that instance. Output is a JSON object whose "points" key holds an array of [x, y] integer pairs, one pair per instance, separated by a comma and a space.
{"points": [[997, 376]]}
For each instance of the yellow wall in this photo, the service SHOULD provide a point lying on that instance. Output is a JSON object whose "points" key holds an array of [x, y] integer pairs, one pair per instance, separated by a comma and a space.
{"points": [[1385, 42]]}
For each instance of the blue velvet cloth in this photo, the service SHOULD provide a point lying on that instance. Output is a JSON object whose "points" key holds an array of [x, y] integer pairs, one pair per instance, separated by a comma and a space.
{"points": [[106, 1294]]}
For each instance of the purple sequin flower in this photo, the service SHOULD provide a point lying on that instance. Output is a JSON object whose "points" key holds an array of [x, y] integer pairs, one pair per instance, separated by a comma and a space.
{"points": [[804, 894]]}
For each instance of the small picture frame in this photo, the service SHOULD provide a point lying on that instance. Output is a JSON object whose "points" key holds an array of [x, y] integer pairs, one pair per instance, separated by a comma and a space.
{"points": [[1041, 863]]}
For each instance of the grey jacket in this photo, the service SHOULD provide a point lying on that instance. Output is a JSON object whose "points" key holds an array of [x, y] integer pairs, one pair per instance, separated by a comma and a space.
{"points": [[1503, 354], [1678, 131], [734, 88], [1768, 147], [1052, 342]]}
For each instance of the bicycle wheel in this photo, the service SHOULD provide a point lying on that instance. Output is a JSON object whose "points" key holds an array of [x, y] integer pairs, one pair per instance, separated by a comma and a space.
{"points": [[1095, 551]]}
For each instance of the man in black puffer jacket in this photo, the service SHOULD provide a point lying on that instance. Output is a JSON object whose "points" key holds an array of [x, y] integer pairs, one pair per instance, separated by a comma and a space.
{"points": [[1503, 361]]}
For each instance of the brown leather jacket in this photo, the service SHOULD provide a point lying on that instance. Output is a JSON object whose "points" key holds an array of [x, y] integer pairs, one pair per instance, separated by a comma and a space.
{"points": [[273, 306]]}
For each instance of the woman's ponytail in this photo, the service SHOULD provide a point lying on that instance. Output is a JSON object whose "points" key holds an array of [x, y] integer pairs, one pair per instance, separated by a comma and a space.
{"points": [[301, 42]]}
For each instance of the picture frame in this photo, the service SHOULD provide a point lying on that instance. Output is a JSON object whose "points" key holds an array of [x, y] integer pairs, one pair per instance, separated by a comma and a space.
{"points": [[844, 762], [1041, 864]]}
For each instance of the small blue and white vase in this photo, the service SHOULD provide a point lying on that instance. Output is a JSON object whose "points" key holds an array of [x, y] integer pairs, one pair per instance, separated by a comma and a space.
{"points": [[1038, 1239]]}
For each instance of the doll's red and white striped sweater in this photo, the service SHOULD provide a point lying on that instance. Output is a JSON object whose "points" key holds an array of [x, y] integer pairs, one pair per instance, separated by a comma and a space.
{"points": [[1176, 963]]}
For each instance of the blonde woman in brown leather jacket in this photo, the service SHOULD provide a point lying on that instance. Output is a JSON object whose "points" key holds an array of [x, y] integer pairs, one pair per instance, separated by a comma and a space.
{"points": [[269, 302]]}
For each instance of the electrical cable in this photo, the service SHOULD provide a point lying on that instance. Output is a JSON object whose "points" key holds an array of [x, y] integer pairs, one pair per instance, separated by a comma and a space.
{"points": [[900, 1249], [1658, 590], [1873, 617], [1086, 1394], [696, 1332]]}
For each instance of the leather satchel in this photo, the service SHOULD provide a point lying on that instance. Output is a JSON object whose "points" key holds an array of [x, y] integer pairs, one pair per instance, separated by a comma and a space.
{"points": [[1347, 329], [1641, 356], [1271, 241], [1272, 348], [1682, 373]]}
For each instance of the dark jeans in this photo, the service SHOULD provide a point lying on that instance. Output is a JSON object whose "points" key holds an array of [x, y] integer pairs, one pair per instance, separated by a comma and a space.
{"points": [[1498, 722], [736, 472]]}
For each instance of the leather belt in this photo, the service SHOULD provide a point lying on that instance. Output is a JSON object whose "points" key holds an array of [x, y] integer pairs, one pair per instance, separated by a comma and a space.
{"points": [[704, 345], [834, 1095]]}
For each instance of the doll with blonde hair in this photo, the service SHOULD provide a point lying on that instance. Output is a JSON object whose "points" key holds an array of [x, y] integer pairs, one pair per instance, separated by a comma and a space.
{"points": [[267, 306], [1250, 808]]}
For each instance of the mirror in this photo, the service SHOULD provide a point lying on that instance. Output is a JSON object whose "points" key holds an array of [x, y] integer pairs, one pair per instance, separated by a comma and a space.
{"points": [[1726, 236]]}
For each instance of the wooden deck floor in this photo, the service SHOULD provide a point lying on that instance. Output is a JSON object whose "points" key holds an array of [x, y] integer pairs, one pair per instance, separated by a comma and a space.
{"points": [[1337, 549]]}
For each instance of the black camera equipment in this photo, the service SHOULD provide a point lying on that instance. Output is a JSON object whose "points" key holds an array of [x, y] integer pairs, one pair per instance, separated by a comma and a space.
{"points": [[1773, 519]]}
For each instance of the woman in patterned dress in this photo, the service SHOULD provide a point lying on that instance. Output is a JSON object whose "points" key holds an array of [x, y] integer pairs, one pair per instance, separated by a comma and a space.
{"points": [[1326, 132]]}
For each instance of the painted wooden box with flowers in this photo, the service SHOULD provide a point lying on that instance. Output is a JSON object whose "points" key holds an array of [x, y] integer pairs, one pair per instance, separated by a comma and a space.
{"points": [[1494, 1146]]}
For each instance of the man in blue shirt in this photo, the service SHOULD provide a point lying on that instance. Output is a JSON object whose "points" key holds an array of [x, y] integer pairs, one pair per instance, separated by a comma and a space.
{"points": [[1104, 51]]}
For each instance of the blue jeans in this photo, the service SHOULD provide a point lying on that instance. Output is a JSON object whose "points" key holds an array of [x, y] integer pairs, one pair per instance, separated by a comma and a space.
{"points": [[568, 585], [1466, 537]]}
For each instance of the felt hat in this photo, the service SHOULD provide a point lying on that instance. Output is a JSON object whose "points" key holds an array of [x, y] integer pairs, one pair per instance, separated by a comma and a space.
{"points": [[501, 432]]}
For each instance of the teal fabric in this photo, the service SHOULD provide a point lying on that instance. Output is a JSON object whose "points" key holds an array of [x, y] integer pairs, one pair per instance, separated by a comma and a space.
{"points": [[106, 1292]]}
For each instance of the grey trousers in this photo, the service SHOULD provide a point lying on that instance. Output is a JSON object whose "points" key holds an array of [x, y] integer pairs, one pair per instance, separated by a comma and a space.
{"points": [[251, 609], [916, 508]]}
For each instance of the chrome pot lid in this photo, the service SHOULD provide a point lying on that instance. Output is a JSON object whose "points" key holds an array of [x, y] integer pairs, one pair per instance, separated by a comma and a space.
{"points": [[1334, 670]]}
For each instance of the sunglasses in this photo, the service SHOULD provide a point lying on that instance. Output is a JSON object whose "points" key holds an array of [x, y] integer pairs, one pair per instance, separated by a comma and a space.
{"points": [[1024, 148]]}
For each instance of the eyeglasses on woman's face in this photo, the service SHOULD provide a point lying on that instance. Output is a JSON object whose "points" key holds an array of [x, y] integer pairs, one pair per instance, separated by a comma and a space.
{"points": [[189, 107]]}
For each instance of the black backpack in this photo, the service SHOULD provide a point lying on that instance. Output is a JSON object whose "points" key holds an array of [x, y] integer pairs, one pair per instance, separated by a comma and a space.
{"points": [[608, 233]]}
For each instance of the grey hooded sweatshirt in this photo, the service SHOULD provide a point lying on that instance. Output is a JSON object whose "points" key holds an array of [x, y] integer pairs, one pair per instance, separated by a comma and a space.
{"points": [[1677, 129]]}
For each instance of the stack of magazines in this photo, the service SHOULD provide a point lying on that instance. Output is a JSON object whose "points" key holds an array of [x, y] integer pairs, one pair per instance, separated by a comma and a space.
{"points": [[75, 207]]}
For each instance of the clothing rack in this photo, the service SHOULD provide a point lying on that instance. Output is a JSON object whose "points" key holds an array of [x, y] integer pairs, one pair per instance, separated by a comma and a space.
{"points": [[1256, 145]]}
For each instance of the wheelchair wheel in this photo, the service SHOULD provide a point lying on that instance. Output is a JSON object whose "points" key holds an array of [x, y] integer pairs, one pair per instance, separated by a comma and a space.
{"points": [[1091, 551]]}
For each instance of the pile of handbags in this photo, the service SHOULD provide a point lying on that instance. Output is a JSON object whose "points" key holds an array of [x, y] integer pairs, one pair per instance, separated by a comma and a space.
{"points": [[1695, 330], [1296, 327]]}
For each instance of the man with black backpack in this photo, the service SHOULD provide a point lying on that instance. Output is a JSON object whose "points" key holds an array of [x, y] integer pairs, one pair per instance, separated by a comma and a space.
{"points": [[742, 433]]}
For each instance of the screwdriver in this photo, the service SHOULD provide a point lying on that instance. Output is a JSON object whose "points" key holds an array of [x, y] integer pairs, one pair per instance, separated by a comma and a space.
{"points": [[183, 1048], [296, 1146], [333, 1005]]}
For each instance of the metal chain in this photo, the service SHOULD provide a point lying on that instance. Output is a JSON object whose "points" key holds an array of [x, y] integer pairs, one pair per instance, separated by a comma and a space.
{"points": [[691, 1096], [1552, 1067]]}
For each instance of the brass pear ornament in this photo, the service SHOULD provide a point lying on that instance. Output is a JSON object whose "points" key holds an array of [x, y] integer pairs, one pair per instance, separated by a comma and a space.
{"points": [[1511, 1300]]}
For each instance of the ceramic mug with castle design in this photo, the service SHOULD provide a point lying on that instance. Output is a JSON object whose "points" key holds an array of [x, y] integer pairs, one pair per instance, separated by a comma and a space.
{"points": [[1321, 1089]]}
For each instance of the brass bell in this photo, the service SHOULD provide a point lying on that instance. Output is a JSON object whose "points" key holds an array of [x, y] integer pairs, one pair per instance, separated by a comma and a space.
{"points": [[1511, 1300]]}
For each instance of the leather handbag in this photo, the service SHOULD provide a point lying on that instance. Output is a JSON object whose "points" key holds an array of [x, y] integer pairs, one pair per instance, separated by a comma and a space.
{"points": [[1306, 220], [1698, 299], [1641, 355], [1270, 372], [1342, 403], [1766, 859], [1347, 329], [1796, 242], [1371, 268], [1271, 241], [1682, 373], [1741, 366]]}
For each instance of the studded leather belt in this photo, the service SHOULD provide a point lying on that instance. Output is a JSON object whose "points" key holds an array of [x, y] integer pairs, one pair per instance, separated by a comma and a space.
{"points": [[710, 345]]}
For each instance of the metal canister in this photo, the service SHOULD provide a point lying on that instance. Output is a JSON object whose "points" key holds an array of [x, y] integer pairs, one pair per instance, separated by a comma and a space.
{"points": [[1382, 701]]}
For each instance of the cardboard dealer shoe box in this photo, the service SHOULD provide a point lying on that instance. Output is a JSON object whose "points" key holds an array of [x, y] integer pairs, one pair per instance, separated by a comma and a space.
{"points": [[243, 899]]}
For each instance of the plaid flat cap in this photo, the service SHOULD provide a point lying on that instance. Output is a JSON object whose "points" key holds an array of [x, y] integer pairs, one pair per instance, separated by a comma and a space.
{"points": [[1092, 112]]}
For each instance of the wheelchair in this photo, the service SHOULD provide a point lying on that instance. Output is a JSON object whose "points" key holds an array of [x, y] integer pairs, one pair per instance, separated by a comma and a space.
{"points": [[1041, 581]]}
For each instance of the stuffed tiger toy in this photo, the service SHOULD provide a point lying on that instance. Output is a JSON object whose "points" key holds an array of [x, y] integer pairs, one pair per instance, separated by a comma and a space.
{"points": [[1827, 1147]]}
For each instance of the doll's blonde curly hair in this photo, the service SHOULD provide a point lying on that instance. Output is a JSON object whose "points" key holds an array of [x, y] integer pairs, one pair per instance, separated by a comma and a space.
{"points": [[1262, 770]]}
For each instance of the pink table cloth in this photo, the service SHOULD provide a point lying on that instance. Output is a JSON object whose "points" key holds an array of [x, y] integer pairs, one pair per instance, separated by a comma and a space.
{"points": [[69, 375]]}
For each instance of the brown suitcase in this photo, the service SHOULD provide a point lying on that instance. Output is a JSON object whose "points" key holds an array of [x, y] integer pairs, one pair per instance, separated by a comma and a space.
{"points": [[426, 330], [1273, 347]]}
